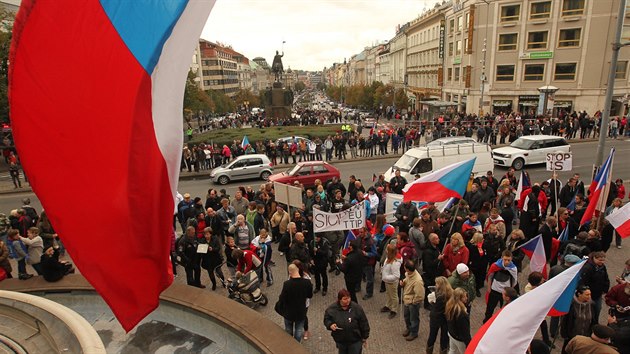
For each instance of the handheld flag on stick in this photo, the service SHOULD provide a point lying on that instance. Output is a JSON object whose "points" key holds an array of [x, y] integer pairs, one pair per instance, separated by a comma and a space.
{"points": [[438, 186], [523, 316], [599, 190], [245, 142], [523, 185], [535, 250], [124, 114]]}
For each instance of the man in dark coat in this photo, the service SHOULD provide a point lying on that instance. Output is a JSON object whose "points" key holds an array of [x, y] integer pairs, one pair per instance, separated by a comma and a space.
{"points": [[292, 302], [405, 214], [397, 183], [431, 264]]}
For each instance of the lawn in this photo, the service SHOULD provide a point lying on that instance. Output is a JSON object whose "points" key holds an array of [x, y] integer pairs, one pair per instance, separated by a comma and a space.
{"points": [[227, 136]]}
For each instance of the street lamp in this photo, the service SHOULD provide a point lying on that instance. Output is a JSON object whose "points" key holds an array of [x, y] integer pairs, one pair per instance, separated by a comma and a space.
{"points": [[546, 91]]}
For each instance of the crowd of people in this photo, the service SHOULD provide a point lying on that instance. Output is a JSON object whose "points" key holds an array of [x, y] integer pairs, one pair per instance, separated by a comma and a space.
{"points": [[439, 260], [29, 238], [390, 138]]}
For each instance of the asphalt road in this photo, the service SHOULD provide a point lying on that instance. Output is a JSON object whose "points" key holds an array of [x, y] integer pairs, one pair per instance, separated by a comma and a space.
{"points": [[583, 159]]}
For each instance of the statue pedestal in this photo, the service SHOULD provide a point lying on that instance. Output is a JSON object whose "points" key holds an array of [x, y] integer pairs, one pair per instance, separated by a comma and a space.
{"points": [[278, 101]]}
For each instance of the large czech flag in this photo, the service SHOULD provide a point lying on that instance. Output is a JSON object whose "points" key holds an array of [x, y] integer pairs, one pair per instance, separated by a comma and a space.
{"points": [[96, 94], [512, 328], [438, 186], [620, 220]]}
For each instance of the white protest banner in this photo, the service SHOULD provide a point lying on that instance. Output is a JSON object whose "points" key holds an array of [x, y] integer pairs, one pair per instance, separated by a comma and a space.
{"points": [[353, 218], [392, 201]]}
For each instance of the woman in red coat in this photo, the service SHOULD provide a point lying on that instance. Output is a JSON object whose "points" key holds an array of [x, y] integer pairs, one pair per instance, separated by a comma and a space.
{"points": [[455, 253]]}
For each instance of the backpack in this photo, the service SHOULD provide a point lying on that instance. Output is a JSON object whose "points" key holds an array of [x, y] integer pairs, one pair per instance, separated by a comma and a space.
{"points": [[13, 253]]}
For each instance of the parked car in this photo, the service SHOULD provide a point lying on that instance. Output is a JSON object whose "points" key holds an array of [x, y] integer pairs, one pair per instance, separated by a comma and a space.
{"points": [[528, 150], [369, 122], [243, 167], [452, 140], [306, 173]]}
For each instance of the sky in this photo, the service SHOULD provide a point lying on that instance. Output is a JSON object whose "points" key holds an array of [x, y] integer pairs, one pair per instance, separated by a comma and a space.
{"points": [[317, 32]]}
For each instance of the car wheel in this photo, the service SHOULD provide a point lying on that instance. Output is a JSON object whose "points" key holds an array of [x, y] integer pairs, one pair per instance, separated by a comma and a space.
{"points": [[518, 164], [223, 180], [265, 175]]}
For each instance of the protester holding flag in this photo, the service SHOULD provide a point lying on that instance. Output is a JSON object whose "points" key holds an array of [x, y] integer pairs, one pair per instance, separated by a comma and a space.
{"points": [[581, 317], [595, 276], [613, 208], [458, 320], [513, 244], [565, 222], [548, 232], [501, 274], [352, 265]]}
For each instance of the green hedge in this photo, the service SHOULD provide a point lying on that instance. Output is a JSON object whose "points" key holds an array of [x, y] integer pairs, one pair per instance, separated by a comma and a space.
{"points": [[227, 136]]}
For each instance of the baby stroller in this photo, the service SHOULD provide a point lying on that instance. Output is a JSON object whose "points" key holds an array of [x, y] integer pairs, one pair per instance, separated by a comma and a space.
{"points": [[245, 289]]}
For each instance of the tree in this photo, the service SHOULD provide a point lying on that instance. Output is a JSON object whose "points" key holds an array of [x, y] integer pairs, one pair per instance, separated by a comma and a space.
{"points": [[6, 21], [299, 86], [195, 99], [384, 96], [321, 86], [223, 103], [401, 100], [248, 96]]}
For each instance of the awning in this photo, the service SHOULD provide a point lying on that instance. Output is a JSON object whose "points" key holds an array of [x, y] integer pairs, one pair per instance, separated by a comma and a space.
{"points": [[562, 104], [502, 103], [528, 104], [439, 103]]}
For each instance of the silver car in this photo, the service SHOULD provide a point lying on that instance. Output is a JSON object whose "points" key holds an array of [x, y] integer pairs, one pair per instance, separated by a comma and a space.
{"points": [[243, 167]]}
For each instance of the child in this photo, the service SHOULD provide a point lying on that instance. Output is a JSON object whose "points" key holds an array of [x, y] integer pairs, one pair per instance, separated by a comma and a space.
{"points": [[262, 243], [230, 262], [35, 248], [18, 252]]}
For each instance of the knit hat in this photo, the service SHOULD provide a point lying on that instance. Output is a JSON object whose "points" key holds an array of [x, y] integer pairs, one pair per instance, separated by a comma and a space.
{"points": [[603, 332], [462, 268], [571, 258]]}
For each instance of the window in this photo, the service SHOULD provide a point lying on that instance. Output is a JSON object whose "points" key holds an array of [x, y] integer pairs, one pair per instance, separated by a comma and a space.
{"points": [[456, 78], [537, 40], [254, 162], [466, 20], [458, 47], [540, 10], [459, 23], [319, 169], [534, 72], [565, 71], [304, 171], [572, 7], [622, 68], [508, 41], [450, 49], [569, 37], [424, 165], [452, 25], [510, 13], [505, 73], [449, 75]]}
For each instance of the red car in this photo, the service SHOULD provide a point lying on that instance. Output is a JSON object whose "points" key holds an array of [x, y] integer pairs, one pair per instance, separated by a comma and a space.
{"points": [[306, 173]]}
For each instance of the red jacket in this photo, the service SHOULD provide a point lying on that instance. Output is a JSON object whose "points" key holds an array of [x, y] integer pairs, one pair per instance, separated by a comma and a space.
{"points": [[617, 296], [246, 263], [452, 259]]}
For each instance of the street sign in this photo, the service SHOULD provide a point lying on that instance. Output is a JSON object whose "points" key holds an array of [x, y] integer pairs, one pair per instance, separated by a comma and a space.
{"points": [[559, 161]]}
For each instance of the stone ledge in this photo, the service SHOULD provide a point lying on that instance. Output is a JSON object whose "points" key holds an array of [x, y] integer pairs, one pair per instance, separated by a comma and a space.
{"points": [[259, 331]]}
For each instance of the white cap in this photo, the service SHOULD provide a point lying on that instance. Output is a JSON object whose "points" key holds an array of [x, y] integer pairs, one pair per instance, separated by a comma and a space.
{"points": [[462, 268]]}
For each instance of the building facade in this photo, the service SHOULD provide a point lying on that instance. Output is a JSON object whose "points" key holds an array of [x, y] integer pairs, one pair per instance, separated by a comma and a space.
{"points": [[382, 66], [526, 45], [219, 69], [398, 58], [424, 57]]}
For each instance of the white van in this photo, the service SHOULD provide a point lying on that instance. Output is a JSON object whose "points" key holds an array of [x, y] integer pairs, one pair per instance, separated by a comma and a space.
{"points": [[425, 159]]}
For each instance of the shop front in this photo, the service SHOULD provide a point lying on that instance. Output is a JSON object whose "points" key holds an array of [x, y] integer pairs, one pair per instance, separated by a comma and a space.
{"points": [[502, 106], [528, 105], [562, 106]]}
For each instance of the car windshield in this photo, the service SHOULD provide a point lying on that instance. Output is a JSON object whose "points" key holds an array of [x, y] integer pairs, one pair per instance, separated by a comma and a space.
{"points": [[405, 163], [294, 170], [523, 144]]}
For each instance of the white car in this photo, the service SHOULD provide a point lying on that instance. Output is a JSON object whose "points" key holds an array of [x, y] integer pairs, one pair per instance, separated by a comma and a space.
{"points": [[243, 167], [528, 150]]}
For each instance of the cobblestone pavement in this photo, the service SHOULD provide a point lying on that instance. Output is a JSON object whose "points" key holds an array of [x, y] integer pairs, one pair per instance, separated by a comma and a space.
{"points": [[385, 334]]}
